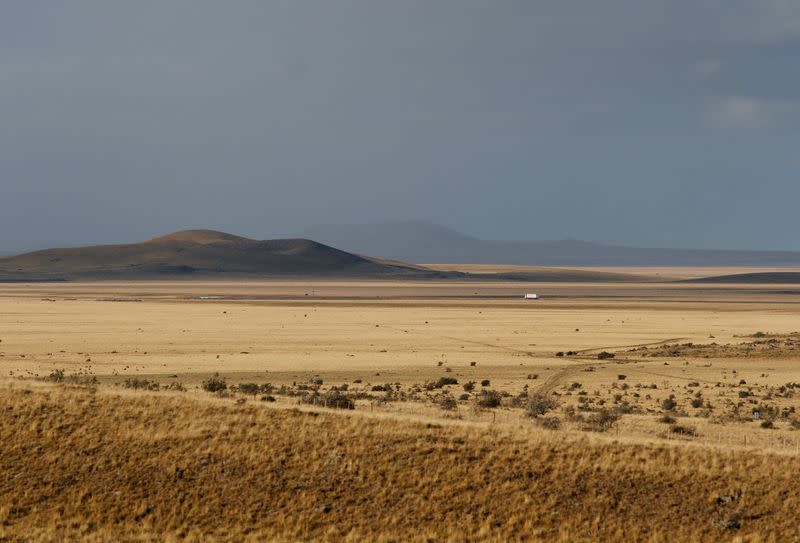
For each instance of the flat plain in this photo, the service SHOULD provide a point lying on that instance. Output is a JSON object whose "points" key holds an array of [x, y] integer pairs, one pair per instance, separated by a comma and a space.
{"points": [[667, 401]]}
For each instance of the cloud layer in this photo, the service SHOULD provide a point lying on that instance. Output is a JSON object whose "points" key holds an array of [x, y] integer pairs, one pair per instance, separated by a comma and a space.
{"points": [[668, 123]]}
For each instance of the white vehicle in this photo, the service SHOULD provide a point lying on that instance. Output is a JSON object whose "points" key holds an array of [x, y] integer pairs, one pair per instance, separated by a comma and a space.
{"points": [[531, 296]]}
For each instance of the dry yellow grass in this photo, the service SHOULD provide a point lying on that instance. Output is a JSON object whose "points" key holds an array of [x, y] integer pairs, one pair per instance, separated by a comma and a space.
{"points": [[78, 464], [100, 462]]}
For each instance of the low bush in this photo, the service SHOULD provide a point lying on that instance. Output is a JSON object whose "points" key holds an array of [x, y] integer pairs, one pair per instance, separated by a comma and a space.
{"points": [[249, 388], [689, 431], [446, 402], [551, 423], [489, 399], [539, 404], [140, 384], [214, 383], [600, 421], [669, 404], [332, 398], [175, 387]]}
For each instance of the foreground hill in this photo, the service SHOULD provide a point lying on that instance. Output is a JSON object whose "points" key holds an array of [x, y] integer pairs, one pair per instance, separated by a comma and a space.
{"points": [[426, 242], [80, 464], [201, 252]]}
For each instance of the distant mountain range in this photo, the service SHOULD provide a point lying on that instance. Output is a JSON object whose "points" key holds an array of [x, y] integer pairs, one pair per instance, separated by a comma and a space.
{"points": [[424, 242], [208, 253]]}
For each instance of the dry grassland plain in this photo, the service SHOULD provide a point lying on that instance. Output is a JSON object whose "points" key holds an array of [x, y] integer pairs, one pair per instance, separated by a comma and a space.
{"points": [[642, 411]]}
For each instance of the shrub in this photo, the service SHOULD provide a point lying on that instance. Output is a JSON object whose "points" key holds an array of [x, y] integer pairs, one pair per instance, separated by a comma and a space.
{"points": [[140, 384], [444, 381], [486, 383], [605, 355], [669, 404], [683, 430], [539, 404], [176, 387], [267, 398], [469, 386], [214, 383], [551, 423], [56, 376], [621, 377], [767, 424], [697, 403], [447, 402], [600, 421], [489, 399], [667, 419], [249, 388], [441, 382], [331, 398]]}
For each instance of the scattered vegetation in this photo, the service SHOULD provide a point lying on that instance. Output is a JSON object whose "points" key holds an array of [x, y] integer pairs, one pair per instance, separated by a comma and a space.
{"points": [[268, 474]]}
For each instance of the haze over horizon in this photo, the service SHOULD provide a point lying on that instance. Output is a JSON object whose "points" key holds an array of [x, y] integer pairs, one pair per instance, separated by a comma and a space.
{"points": [[659, 124]]}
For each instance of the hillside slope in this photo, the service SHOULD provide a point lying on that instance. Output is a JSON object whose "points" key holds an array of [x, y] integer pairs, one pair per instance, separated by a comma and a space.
{"points": [[766, 278], [196, 252]]}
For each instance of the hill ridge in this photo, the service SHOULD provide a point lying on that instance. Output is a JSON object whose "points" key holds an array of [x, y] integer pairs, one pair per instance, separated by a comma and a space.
{"points": [[200, 252]]}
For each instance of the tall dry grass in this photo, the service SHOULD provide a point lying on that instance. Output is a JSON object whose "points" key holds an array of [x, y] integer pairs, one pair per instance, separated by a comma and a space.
{"points": [[78, 464]]}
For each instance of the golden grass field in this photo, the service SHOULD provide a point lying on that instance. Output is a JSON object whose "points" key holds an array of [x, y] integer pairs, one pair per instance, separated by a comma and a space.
{"points": [[89, 453]]}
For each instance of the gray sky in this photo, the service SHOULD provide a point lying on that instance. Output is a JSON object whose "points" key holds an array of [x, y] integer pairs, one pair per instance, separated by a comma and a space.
{"points": [[657, 123]]}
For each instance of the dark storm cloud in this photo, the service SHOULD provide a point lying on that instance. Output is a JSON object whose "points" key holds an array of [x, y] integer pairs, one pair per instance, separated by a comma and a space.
{"points": [[649, 123]]}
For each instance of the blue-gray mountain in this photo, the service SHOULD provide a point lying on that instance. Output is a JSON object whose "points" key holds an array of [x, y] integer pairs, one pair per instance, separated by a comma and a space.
{"points": [[425, 242]]}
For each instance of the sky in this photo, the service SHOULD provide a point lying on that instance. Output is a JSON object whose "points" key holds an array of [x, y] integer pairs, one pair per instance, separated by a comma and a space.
{"points": [[666, 123]]}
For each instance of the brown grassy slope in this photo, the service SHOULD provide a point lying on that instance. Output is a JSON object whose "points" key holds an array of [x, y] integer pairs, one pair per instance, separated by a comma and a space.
{"points": [[77, 464]]}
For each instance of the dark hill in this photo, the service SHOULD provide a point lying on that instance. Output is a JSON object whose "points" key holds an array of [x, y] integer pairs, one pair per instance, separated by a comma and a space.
{"points": [[202, 252], [765, 278]]}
